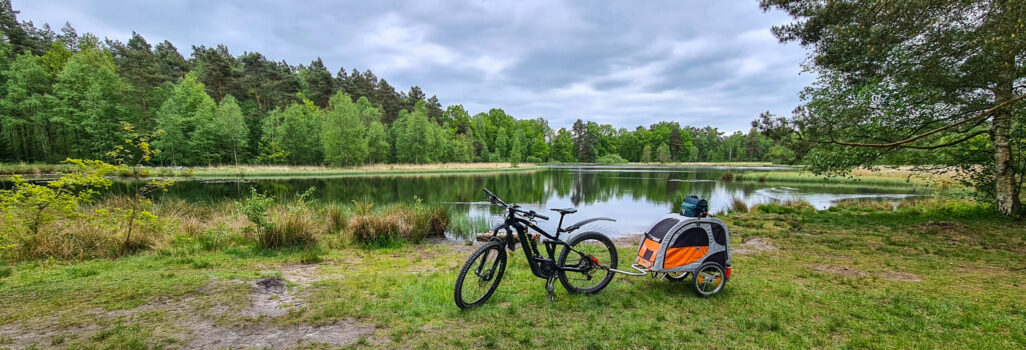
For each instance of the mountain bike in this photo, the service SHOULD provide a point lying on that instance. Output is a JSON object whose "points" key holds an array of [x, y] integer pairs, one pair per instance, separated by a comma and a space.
{"points": [[585, 264]]}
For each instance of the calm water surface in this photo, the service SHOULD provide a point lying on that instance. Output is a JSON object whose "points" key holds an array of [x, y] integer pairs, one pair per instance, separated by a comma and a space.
{"points": [[634, 195]]}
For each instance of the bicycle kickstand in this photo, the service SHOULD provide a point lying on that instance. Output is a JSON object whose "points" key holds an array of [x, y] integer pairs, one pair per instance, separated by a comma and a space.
{"points": [[550, 288]]}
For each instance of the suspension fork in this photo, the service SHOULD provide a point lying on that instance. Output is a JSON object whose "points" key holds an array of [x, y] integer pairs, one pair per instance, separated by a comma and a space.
{"points": [[491, 271]]}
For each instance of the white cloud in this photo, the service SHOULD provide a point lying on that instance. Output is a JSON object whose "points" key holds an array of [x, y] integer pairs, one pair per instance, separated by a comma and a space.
{"points": [[624, 63]]}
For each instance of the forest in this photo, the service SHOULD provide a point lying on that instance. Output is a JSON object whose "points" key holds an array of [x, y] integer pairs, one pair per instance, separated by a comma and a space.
{"points": [[65, 95]]}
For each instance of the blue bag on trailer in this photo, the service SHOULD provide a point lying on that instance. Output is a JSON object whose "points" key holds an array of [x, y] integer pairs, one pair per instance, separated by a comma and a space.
{"points": [[694, 207]]}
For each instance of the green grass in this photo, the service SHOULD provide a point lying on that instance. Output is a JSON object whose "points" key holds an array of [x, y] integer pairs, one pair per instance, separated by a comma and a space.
{"points": [[807, 177], [933, 275]]}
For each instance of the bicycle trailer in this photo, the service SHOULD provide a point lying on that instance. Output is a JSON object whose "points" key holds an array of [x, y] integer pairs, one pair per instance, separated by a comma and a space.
{"points": [[679, 246]]}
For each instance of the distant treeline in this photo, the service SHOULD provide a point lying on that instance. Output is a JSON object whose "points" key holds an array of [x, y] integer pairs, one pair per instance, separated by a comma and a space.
{"points": [[69, 95]]}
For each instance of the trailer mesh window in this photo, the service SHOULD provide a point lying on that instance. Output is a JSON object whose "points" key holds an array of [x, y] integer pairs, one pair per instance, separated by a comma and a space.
{"points": [[659, 230]]}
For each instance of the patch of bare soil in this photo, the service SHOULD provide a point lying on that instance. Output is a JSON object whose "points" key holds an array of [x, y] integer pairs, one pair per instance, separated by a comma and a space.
{"points": [[342, 333], [270, 297], [954, 231], [845, 271], [457, 246], [43, 332], [900, 277], [301, 274], [754, 245]]}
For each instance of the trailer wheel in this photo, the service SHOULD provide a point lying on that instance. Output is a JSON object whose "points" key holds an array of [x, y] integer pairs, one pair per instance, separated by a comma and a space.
{"points": [[677, 276], [709, 279]]}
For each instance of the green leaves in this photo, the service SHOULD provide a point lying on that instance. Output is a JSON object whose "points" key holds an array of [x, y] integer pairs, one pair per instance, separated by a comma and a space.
{"points": [[343, 134]]}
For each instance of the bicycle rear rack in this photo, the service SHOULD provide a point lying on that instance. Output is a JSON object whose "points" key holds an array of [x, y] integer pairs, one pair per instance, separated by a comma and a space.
{"points": [[641, 270]]}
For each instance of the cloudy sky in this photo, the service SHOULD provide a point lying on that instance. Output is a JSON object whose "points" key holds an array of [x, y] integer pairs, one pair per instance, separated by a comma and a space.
{"points": [[626, 63]]}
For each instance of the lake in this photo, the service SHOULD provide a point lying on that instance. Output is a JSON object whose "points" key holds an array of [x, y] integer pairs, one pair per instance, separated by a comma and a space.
{"points": [[634, 195]]}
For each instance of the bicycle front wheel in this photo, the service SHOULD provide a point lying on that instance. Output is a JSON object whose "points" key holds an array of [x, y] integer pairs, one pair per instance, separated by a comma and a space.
{"points": [[590, 256], [480, 275]]}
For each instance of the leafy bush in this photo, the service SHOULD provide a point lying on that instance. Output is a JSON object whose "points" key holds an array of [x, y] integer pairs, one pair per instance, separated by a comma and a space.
{"points": [[611, 158], [533, 159], [255, 208]]}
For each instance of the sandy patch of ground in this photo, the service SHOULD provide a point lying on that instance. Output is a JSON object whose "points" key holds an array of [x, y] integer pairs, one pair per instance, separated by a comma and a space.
{"points": [[42, 333], [194, 327], [754, 245], [845, 271], [206, 335], [270, 297]]}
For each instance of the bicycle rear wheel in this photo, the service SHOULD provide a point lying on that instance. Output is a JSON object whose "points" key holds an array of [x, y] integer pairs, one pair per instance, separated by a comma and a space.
{"points": [[480, 275], [593, 256]]}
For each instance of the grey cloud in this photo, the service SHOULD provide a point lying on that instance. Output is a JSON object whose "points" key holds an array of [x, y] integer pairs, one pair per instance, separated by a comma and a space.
{"points": [[623, 63]]}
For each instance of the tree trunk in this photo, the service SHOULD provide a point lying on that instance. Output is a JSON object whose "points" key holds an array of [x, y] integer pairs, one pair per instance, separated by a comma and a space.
{"points": [[1006, 187]]}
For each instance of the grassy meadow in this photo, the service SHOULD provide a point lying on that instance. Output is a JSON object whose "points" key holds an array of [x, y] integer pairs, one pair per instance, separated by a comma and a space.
{"points": [[931, 274]]}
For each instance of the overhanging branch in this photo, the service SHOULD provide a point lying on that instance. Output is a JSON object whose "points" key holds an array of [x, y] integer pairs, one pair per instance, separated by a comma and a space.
{"points": [[982, 116]]}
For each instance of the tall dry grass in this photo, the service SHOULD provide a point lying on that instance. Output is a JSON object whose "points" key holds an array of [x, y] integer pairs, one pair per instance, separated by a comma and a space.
{"points": [[398, 223], [290, 227], [738, 205]]}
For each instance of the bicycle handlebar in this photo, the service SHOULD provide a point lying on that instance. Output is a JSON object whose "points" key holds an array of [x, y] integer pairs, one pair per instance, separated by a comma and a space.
{"points": [[496, 200]]}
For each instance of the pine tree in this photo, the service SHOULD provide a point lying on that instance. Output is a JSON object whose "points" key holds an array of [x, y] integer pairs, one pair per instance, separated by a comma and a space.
{"points": [[318, 86]]}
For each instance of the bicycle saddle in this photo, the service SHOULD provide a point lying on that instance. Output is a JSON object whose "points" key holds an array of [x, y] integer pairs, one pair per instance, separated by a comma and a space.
{"points": [[565, 211]]}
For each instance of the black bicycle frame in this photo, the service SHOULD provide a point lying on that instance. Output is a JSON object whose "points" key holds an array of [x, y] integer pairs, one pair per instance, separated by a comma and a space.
{"points": [[534, 256]]}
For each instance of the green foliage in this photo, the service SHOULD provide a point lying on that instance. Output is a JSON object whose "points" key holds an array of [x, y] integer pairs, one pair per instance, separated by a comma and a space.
{"points": [[293, 135], [68, 96], [377, 143], [343, 133], [928, 92], [225, 135], [187, 110], [516, 149], [663, 154], [29, 208], [611, 159], [417, 140], [255, 209]]}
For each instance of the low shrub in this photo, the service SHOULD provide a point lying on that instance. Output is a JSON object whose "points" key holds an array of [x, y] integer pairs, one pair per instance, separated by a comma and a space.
{"points": [[611, 158], [289, 228], [533, 159]]}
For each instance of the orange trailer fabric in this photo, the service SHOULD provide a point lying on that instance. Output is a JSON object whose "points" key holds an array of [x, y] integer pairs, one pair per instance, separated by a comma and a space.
{"points": [[684, 255]]}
